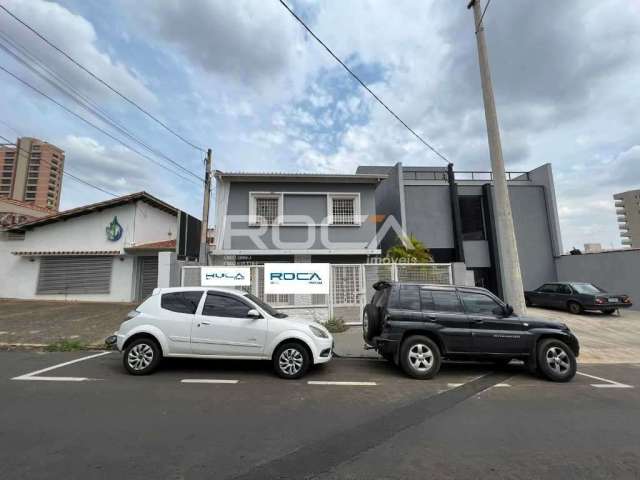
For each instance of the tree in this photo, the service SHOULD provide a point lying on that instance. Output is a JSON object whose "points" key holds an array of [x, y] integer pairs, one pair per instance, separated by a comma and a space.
{"points": [[416, 252]]}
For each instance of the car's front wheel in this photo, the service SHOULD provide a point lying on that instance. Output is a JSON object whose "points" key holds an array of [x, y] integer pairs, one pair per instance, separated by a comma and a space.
{"points": [[420, 357], [291, 360], [556, 361], [142, 356]]}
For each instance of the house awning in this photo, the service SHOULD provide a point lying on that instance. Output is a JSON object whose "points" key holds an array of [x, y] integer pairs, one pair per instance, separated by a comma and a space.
{"points": [[65, 253], [162, 246]]}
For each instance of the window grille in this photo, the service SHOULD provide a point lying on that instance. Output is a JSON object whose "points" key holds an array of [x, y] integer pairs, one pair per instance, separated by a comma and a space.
{"points": [[343, 211], [266, 210]]}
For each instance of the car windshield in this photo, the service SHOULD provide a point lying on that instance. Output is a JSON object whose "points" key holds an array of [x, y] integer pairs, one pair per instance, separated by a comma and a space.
{"points": [[586, 288], [265, 306]]}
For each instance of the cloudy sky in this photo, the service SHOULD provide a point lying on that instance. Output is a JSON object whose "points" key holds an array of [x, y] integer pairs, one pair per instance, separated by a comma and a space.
{"points": [[243, 78]]}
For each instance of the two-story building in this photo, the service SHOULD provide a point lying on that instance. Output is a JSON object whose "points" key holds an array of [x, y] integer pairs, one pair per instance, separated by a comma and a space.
{"points": [[453, 214], [276, 217]]}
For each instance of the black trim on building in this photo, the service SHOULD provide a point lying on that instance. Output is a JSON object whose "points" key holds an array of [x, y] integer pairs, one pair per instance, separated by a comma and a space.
{"points": [[494, 255], [456, 221]]}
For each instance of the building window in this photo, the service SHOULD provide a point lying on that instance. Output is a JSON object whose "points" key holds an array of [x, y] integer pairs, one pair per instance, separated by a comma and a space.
{"points": [[472, 218], [344, 209], [265, 209]]}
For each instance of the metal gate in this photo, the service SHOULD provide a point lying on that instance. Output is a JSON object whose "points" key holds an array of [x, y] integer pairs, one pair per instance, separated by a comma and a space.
{"points": [[83, 275], [351, 287], [148, 279]]}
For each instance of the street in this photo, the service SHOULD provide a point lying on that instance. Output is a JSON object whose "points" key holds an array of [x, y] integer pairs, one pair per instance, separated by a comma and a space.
{"points": [[79, 415]]}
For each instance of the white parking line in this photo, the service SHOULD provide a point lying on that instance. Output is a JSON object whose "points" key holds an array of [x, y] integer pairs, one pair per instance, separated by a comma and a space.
{"points": [[348, 384], [609, 384], [207, 380], [35, 375]]}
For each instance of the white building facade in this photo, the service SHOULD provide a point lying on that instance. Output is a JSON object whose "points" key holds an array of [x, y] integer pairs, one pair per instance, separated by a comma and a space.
{"points": [[101, 252]]}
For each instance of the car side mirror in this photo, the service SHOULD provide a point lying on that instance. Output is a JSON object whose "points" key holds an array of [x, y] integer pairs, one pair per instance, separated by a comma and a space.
{"points": [[253, 313]]}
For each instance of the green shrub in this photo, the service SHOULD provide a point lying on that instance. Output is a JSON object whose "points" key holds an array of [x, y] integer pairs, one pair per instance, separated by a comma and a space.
{"points": [[65, 345], [336, 325]]}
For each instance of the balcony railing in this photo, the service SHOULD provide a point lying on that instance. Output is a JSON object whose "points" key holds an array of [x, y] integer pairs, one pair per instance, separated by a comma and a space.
{"points": [[463, 175]]}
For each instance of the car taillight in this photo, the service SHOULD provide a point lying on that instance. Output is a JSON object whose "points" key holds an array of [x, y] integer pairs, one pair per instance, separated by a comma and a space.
{"points": [[626, 300], [599, 301]]}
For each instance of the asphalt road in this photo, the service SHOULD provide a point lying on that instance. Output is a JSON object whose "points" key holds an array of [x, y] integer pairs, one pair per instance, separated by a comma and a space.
{"points": [[94, 421]]}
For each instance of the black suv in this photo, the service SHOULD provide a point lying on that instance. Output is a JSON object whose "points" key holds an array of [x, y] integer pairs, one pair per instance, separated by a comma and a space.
{"points": [[416, 326]]}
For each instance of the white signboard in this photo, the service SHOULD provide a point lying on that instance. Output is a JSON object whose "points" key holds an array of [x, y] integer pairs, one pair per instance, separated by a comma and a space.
{"points": [[297, 277], [225, 276]]}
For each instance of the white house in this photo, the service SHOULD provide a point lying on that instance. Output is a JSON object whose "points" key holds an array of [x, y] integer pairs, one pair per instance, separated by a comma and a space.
{"points": [[106, 251]]}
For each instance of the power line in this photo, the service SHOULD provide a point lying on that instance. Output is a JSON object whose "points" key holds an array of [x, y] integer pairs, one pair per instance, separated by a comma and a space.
{"points": [[422, 140], [96, 77], [67, 89], [482, 16], [64, 172], [24, 82]]}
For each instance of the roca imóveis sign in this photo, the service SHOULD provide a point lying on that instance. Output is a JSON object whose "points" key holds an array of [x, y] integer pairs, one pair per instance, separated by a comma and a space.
{"points": [[297, 278]]}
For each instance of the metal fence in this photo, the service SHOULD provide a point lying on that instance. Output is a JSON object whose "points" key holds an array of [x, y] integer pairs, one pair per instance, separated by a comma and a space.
{"points": [[351, 287]]}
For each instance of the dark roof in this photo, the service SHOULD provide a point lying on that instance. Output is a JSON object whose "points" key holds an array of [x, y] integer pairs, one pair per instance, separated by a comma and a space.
{"points": [[96, 207]]}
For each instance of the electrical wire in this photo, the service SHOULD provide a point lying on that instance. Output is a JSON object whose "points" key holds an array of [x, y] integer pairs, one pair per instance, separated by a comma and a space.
{"points": [[67, 89], [100, 129], [364, 85], [103, 82], [64, 171], [482, 16]]}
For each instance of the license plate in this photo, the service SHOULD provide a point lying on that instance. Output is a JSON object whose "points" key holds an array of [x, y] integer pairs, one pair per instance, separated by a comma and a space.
{"points": [[613, 300]]}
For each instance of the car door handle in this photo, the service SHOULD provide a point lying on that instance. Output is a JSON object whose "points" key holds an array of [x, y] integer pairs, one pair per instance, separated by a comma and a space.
{"points": [[431, 317], [478, 321], [204, 323]]}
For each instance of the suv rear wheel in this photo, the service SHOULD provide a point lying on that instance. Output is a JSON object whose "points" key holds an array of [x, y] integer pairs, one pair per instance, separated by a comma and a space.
{"points": [[556, 361], [371, 324], [420, 357]]}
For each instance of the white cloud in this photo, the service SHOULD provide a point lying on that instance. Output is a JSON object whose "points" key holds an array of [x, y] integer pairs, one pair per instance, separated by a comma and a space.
{"points": [[75, 35]]}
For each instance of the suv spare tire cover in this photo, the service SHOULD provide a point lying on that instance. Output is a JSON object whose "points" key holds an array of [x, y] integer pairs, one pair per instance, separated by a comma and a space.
{"points": [[374, 323]]}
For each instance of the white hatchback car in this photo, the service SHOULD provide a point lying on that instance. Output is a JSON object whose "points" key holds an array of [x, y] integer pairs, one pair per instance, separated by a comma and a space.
{"points": [[203, 322]]}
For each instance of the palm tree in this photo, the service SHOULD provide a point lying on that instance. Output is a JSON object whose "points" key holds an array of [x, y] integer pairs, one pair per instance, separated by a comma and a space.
{"points": [[415, 250]]}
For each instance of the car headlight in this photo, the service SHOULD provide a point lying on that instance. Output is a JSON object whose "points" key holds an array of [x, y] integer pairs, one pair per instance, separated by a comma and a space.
{"points": [[318, 332]]}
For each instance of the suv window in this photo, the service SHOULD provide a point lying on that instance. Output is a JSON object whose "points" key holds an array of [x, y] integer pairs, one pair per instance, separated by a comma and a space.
{"points": [[427, 300], [224, 306], [478, 303], [181, 302], [446, 301], [409, 298]]}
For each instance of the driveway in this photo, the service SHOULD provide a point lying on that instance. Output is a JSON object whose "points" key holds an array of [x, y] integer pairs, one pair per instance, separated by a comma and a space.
{"points": [[603, 338], [39, 323]]}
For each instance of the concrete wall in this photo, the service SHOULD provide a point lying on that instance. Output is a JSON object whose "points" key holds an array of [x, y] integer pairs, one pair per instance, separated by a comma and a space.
{"points": [[152, 224], [389, 201], [533, 235], [355, 237], [616, 271], [428, 217]]}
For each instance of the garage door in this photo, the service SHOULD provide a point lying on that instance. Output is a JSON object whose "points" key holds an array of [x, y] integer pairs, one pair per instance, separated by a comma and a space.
{"points": [[74, 275], [148, 276]]}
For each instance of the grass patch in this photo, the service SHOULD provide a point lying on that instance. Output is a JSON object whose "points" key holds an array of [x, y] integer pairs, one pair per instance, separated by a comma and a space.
{"points": [[336, 325], [65, 346]]}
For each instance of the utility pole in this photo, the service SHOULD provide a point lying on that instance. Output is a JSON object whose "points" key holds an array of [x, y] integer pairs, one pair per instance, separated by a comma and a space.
{"points": [[508, 251], [204, 250]]}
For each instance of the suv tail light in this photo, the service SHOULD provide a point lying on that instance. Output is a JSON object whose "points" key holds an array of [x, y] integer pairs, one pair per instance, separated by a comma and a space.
{"points": [[626, 300], [599, 301]]}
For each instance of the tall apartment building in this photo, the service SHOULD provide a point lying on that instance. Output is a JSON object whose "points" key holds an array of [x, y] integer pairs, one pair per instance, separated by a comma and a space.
{"points": [[628, 210], [31, 172]]}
